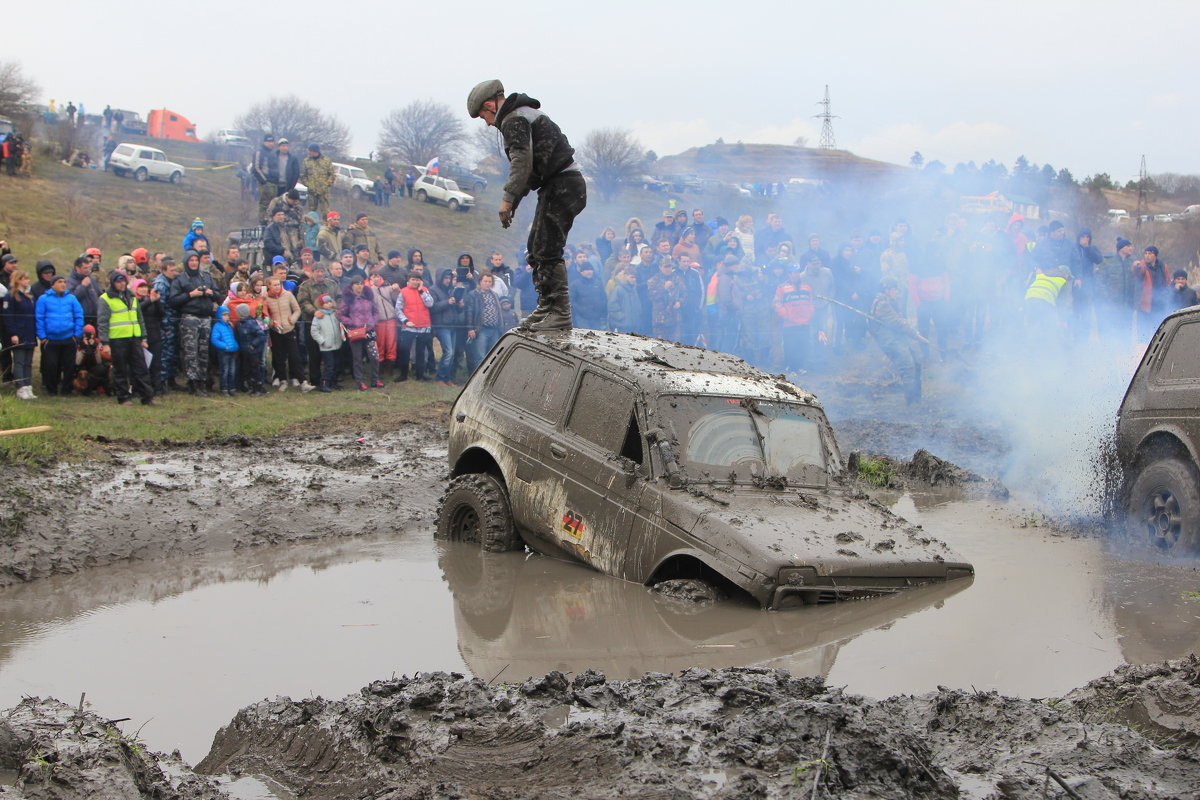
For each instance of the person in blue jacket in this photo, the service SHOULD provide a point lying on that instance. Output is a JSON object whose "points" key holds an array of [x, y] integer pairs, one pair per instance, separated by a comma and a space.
{"points": [[196, 232], [225, 343], [252, 343], [59, 319]]}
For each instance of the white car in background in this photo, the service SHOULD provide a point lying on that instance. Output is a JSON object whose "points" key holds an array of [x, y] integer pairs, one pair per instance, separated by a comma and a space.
{"points": [[231, 137], [144, 163], [352, 180], [436, 189]]}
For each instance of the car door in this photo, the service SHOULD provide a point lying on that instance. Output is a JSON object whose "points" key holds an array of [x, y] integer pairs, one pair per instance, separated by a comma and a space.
{"points": [[599, 454], [160, 167]]}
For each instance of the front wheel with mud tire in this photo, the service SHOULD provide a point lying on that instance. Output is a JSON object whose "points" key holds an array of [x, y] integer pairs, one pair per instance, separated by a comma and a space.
{"points": [[475, 508], [1164, 507]]}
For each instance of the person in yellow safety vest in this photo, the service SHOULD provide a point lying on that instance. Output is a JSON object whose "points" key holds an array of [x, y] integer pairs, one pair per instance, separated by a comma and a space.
{"points": [[122, 330], [1041, 302]]}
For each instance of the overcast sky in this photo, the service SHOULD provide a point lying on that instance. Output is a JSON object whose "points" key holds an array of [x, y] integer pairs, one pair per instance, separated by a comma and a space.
{"points": [[1091, 86]]}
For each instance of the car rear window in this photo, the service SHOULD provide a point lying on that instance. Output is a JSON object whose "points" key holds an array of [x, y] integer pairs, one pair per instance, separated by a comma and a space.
{"points": [[535, 382], [1181, 364]]}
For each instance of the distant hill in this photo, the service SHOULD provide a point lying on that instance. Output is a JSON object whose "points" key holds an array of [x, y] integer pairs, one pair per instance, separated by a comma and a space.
{"points": [[765, 163]]}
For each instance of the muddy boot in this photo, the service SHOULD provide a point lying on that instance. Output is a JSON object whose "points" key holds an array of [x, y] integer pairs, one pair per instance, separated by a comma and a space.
{"points": [[554, 290], [543, 305]]}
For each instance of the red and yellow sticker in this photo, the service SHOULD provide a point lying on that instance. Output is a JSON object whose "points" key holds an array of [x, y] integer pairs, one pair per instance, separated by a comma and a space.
{"points": [[572, 524]]}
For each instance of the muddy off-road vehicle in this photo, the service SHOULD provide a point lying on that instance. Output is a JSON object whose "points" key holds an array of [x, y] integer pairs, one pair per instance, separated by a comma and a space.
{"points": [[657, 462], [1158, 439]]}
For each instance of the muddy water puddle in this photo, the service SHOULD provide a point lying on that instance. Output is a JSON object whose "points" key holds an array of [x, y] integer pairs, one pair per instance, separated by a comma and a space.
{"points": [[179, 646]]}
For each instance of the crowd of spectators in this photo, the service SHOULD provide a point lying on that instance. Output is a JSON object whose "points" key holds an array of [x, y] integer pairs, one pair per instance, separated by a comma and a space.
{"points": [[329, 303]]}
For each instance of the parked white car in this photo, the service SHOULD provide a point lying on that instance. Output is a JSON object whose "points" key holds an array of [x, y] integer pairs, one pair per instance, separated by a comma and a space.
{"points": [[436, 189], [143, 163], [352, 180], [231, 137]]}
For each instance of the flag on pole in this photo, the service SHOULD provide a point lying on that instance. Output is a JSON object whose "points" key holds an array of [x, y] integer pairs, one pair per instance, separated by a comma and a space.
{"points": [[432, 167]]}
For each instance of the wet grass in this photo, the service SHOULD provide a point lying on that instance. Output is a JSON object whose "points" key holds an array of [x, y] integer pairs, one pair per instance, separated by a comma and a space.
{"points": [[84, 427], [874, 471]]}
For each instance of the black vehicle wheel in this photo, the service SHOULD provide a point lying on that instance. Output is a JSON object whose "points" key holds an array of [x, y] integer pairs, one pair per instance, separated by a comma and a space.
{"points": [[176, 177], [478, 187], [1164, 506], [120, 173], [453, 204], [475, 509], [141, 175], [422, 196], [359, 194]]}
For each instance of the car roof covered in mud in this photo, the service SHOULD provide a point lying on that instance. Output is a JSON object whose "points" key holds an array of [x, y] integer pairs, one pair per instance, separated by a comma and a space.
{"points": [[663, 367]]}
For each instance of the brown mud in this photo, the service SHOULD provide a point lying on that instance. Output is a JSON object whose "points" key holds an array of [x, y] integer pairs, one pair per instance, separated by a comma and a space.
{"points": [[729, 733], [185, 499]]}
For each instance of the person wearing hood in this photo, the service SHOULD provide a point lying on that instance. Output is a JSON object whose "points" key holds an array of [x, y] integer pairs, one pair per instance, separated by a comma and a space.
{"points": [[466, 279], [310, 226], [122, 329], [194, 234], [45, 279], [194, 296], [541, 159], [446, 316], [167, 356], [224, 341], [327, 333], [358, 315]]}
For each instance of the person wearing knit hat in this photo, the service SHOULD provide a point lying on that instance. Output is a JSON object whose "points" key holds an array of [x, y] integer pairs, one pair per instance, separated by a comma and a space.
{"points": [[543, 159], [326, 332], [331, 239], [1153, 294]]}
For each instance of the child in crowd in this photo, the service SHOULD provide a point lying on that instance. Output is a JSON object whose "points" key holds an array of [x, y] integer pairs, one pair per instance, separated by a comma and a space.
{"points": [[252, 345], [224, 341], [327, 333]]}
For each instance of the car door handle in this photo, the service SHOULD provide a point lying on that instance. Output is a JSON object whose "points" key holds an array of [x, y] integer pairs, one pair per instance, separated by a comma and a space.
{"points": [[558, 451]]}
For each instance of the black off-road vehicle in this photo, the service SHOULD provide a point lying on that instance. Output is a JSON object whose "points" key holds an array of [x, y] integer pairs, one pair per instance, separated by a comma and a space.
{"points": [[1158, 439], [657, 462]]}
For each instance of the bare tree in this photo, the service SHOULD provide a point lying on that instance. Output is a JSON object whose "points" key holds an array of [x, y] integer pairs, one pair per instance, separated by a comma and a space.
{"points": [[421, 131], [17, 90], [298, 121], [611, 156]]}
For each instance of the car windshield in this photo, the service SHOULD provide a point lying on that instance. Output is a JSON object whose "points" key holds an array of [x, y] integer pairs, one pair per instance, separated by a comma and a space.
{"points": [[358, 173], [745, 440]]}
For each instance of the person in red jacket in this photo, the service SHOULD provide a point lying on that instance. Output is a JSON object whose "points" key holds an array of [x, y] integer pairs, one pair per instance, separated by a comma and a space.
{"points": [[416, 327], [795, 306], [1153, 300]]}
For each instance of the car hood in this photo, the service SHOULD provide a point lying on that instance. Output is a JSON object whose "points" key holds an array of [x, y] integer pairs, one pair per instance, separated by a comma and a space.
{"points": [[833, 532]]}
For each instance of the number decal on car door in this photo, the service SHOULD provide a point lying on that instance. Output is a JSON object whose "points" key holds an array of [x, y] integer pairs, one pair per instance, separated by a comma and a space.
{"points": [[572, 524]]}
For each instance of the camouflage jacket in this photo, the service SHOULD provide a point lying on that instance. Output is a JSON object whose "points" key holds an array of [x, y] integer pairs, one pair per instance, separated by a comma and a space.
{"points": [[356, 236], [317, 174], [331, 242]]}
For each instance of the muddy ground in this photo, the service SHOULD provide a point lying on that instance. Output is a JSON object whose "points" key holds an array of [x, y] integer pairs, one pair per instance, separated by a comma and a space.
{"points": [[728, 733], [169, 499]]}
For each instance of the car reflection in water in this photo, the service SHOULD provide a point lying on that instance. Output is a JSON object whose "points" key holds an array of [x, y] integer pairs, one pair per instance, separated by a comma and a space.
{"points": [[522, 615]]}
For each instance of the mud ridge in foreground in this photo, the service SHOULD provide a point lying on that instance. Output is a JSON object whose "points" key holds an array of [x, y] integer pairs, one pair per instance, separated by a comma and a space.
{"points": [[728, 733]]}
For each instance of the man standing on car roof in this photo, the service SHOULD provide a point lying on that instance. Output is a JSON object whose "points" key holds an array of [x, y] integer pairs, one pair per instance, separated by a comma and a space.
{"points": [[541, 159]]}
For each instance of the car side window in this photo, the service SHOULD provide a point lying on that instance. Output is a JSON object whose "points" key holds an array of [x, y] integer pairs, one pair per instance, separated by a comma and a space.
{"points": [[146, 154], [1181, 363], [603, 414], [535, 382], [159, 157]]}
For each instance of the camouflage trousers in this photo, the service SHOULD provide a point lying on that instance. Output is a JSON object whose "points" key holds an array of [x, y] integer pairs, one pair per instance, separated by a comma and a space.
{"points": [[168, 358], [194, 333], [318, 204], [266, 193]]}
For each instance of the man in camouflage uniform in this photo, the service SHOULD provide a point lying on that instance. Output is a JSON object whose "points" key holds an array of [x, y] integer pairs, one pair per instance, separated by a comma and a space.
{"points": [[293, 221], [195, 297], [360, 233], [331, 239], [316, 173], [168, 364], [540, 159]]}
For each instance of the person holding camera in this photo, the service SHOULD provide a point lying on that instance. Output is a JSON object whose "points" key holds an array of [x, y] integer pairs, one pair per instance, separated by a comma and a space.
{"points": [[194, 296]]}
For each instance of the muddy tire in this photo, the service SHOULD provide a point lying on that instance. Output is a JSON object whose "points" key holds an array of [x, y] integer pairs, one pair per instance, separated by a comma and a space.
{"points": [[1164, 507], [475, 509]]}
